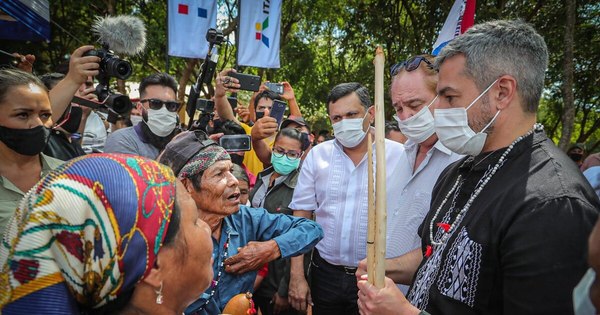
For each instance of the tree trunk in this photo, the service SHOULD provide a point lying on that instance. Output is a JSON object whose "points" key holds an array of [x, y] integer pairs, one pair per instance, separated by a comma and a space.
{"points": [[568, 98]]}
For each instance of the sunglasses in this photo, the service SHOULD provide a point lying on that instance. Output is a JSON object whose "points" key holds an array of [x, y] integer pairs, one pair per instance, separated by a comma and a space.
{"points": [[157, 104], [410, 65]]}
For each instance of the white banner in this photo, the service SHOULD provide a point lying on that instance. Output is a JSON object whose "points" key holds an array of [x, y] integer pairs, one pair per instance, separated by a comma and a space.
{"points": [[259, 33], [188, 22]]}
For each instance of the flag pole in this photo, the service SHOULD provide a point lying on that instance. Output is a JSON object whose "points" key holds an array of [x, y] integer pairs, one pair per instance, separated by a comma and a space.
{"points": [[167, 63], [377, 266]]}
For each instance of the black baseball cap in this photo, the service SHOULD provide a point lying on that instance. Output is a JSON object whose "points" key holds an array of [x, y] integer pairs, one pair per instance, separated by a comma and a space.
{"points": [[294, 119]]}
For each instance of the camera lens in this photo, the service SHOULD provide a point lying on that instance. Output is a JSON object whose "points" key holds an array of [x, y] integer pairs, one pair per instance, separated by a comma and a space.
{"points": [[120, 103], [119, 68]]}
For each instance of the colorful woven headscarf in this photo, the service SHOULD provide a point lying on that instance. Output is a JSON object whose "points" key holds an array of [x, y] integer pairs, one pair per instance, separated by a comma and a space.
{"points": [[203, 160], [191, 153], [87, 232]]}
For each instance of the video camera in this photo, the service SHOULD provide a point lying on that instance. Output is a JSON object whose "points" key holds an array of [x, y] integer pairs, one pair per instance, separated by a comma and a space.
{"points": [[206, 109], [214, 36]]}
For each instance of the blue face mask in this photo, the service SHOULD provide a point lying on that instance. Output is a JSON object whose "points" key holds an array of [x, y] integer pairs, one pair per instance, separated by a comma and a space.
{"points": [[581, 295], [283, 165]]}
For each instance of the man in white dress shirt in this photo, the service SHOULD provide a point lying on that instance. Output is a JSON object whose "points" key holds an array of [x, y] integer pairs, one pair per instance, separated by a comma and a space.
{"points": [[333, 185], [414, 99]]}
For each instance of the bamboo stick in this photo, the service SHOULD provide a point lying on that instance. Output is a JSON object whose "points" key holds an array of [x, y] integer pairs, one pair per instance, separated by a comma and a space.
{"points": [[380, 173], [371, 214]]}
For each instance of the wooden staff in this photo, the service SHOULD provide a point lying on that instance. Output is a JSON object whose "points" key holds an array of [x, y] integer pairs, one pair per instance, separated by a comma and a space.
{"points": [[378, 213], [371, 228]]}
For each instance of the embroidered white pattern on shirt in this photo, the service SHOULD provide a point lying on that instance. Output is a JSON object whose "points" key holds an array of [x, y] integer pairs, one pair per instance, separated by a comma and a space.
{"points": [[460, 274], [419, 292]]}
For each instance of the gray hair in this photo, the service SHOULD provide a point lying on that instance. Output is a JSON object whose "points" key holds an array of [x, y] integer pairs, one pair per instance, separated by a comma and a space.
{"points": [[345, 89], [497, 48]]}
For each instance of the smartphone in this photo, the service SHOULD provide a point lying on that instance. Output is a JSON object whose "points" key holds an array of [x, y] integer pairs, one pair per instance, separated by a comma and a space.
{"points": [[232, 102], [205, 106], [277, 111], [260, 115], [248, 82], [236, 143], [275, 87]]}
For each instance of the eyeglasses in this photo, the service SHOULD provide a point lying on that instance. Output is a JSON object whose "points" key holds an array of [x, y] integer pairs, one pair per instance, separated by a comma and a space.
{"points": [[291, 155], [157, 104], [410, 65]]}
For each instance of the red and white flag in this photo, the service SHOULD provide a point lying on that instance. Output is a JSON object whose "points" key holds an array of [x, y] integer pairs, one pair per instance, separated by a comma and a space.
{"points": [[461, 17]]}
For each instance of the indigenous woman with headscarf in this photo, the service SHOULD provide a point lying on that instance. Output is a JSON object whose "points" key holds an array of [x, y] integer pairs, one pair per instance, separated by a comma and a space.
{"points": [[105, 234]]}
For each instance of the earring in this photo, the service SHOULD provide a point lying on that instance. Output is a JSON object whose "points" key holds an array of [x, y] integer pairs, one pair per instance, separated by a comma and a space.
{"points": [[159, 296]]}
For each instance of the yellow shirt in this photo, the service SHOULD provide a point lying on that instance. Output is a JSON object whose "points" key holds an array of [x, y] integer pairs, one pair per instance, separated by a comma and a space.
{"points": [[253, 164]]}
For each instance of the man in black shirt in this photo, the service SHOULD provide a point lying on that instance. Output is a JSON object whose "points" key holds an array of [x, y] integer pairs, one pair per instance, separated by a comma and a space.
{"points": [[508, 225]]}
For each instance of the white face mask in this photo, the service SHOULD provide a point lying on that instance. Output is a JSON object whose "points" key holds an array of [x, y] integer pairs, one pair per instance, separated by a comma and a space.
{"points": [[452, 128], [161, 122], [135, 119], [582, 303], [420, 126], [349, 132]]}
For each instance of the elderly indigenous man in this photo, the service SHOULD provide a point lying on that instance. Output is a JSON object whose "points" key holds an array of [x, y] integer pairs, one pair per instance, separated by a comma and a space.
{"points": [[244, 238], [413, 98], [333, 184], [508, 224]]}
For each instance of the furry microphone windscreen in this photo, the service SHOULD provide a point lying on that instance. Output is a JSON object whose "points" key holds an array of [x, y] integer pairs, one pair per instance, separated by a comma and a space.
{"points": [[124, 34]]}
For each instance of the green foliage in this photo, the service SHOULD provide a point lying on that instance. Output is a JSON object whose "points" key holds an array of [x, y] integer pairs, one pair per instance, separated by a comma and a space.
{"points": [[326, 42]]}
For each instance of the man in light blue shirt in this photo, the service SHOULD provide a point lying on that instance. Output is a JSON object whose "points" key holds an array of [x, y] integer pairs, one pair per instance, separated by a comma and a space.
{"points": [[244, 238]]}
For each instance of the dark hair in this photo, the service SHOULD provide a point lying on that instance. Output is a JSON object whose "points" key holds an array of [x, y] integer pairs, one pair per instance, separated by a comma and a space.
{"points": [[229, 127], [345, 89], [268, 94], [161, 78], [391, 126], [292, 133], [10, 78], [51, 79], [122, 300]]}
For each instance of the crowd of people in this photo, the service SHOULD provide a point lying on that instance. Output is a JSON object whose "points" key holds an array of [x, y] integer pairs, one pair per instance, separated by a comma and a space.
{"points": [[485, 215]]}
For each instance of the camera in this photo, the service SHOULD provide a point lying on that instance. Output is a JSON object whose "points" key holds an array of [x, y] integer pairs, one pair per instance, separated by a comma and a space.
{"points": [[205, 106], [110, 64], [214, 36]]}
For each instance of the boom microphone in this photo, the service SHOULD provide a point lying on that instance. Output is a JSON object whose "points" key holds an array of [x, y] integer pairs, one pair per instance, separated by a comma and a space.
{"points": [[124, 34]]}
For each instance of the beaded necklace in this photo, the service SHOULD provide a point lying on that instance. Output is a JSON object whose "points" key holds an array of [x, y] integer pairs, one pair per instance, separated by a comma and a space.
{"points": [[447, 228], [215, 281]]}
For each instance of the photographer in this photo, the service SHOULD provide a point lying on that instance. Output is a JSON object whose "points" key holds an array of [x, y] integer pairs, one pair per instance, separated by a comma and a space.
{"points": [[159, 106], [261, 101], [80, 68], [64, 141]]}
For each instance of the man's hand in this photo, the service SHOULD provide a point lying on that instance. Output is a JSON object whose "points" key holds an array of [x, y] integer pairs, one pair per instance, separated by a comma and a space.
{"points": [[361, 269], [280, 304], [288, 92], [80, 68], [25, 62], [252, 256], [264, 127], [243, 113], [299, 292], [225, 83], [387, 300]]}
